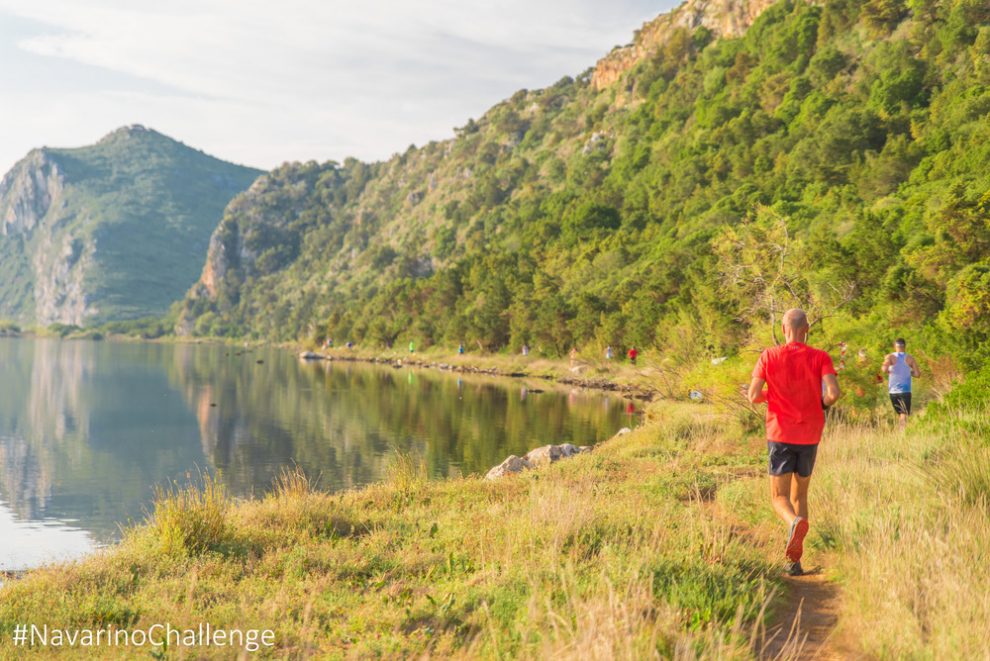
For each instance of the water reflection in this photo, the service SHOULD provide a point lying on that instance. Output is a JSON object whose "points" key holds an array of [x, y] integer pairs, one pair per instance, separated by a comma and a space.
{"points": [[87, 429]]}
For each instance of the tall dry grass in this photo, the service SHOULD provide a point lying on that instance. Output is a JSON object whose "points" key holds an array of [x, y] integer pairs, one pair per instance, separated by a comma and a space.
{"points": [[905, 516]]}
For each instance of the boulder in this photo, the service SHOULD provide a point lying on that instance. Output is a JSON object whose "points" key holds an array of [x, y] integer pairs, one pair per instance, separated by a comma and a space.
{"points": [[624, 431], [309, 355], [543, 455], [511, 465]]}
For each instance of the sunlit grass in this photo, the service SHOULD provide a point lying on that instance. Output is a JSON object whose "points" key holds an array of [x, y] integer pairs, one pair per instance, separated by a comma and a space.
{"points": [[660, 542]]}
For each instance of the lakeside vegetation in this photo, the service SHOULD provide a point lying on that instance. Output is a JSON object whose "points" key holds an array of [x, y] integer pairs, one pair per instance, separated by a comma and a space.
{"points": [[660, 541]]}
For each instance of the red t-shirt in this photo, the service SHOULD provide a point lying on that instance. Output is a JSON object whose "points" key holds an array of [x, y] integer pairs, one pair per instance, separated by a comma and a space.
{"points": [[794, 373]]}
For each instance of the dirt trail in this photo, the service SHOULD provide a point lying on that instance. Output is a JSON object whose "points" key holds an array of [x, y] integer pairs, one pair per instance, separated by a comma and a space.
{"points": [[804, 625]]}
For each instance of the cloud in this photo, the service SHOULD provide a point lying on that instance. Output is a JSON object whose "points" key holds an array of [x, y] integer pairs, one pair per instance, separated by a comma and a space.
{"points": [[264, 82]]}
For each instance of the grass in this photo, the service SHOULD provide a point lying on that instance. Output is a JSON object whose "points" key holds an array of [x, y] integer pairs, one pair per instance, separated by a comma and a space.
{"points": [[605, 555], [899, 520], [659, 543]]}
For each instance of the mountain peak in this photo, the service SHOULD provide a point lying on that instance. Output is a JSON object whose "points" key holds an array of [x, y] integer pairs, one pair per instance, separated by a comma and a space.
{"points": [[133, 131]]}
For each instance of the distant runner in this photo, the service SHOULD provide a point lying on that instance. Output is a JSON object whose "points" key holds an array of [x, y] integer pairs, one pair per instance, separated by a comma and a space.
{"points": [[900, 367], [632, 355], [608, 352], [794, 374]]}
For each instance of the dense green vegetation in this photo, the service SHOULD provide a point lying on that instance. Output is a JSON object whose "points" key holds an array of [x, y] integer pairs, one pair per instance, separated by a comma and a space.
{"points": [[835, 156], [112, 231]]}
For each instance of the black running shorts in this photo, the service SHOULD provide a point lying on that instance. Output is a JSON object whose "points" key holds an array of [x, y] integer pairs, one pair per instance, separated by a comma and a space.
{"points": [[901, 402], [792, 458]]}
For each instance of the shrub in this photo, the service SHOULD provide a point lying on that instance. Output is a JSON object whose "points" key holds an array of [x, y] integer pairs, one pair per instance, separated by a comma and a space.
{"points": [[191, 519]]}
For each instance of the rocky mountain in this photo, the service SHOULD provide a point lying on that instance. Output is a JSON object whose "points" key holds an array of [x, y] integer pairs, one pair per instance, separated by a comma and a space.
{"points": [[739, 156], [116, 230], [723, 18]]}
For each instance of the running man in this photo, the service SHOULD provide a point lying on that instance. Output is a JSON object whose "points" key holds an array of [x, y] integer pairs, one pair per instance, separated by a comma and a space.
{"points": [[900, 367], [794, 374]]}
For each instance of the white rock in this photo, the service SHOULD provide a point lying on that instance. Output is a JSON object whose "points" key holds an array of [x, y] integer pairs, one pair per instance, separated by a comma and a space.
{"points": [[511, 465], [543, 455]]}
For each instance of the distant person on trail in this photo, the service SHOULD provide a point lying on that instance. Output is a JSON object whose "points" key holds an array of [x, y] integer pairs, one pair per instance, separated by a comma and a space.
{"points": [[608, 352], [412, 347], [900, 367], [574, 357], [632, 355], [525, 349], [794, 374], [460, 348]]}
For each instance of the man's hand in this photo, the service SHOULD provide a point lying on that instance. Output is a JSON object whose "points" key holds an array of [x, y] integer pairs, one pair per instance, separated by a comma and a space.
{"points": [[756, 394]]}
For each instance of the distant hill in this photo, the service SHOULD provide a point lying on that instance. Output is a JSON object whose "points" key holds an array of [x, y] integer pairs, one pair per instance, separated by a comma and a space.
{"points": [[737, 158], [113, 231]]}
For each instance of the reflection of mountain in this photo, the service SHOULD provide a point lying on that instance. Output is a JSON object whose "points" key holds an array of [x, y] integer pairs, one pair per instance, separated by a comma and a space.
{"points": [[85, 431], [343, 419]]}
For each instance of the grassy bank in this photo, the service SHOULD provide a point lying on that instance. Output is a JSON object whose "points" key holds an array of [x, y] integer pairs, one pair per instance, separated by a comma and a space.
{"points": [[608, 554], [659, 541]]}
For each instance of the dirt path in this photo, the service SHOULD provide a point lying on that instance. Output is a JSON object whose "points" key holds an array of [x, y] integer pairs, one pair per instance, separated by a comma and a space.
{"points": [[804, 625]]}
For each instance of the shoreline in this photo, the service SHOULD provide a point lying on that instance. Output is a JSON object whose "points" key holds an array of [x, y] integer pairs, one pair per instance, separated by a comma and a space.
{"points": [[446, 363], [618, 377]]}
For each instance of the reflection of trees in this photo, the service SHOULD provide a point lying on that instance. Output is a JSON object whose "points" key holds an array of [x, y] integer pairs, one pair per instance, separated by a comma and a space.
{"points": [[86, 429], [78, 436], [343, 419]]}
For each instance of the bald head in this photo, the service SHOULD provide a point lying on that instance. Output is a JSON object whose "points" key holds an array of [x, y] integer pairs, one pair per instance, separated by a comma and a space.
{"points": [[795, 325]]}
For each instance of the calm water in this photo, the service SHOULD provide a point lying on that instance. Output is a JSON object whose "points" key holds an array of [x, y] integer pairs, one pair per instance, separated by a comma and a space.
{"points": [[87, 429]]}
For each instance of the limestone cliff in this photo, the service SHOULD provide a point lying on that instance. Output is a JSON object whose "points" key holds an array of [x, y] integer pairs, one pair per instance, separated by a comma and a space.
{"points": [[725, 18]]}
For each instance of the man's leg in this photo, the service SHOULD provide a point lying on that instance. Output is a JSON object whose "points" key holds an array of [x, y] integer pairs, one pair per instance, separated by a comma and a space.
{"points": [[799, 495], [780, 496]]}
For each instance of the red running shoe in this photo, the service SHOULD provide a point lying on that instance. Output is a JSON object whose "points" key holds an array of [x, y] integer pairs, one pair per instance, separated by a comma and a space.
{"points": [[795, 542]]}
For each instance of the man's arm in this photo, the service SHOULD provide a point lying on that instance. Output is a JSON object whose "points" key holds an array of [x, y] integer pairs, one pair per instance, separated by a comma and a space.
{"points": [[756, 394], [887, 362], [832, 392], [913, 364]]}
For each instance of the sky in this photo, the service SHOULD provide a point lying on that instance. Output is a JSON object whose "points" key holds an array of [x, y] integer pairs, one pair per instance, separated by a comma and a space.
{"points": [[261, 83]]}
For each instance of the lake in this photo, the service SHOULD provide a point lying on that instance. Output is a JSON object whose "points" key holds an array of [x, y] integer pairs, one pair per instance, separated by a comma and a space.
{"points": [[89, 429]]}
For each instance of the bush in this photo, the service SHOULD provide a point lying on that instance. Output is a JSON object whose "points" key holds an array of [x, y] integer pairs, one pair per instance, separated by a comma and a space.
{"points": [[191, 519]]}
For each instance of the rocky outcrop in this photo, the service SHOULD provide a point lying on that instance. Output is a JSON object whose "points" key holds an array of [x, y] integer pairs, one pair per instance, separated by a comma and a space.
{"points": [[725, 18], [540, 456], [61, 264], [512, 464], [28, 191]]}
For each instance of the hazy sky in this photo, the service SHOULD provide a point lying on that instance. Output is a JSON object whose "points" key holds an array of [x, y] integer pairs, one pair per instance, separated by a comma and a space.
{"points": [[261, 82]]}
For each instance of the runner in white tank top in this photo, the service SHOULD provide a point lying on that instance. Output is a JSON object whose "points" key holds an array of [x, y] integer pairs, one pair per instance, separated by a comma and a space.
{"points": [[900, 367]]}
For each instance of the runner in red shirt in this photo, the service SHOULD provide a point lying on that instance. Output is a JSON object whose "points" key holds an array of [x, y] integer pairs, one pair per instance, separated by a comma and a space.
{"points": [[794, 374]]}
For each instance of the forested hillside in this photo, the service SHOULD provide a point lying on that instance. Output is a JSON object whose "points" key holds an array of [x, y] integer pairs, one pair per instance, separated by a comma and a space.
{"points": [[679, 196]]}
